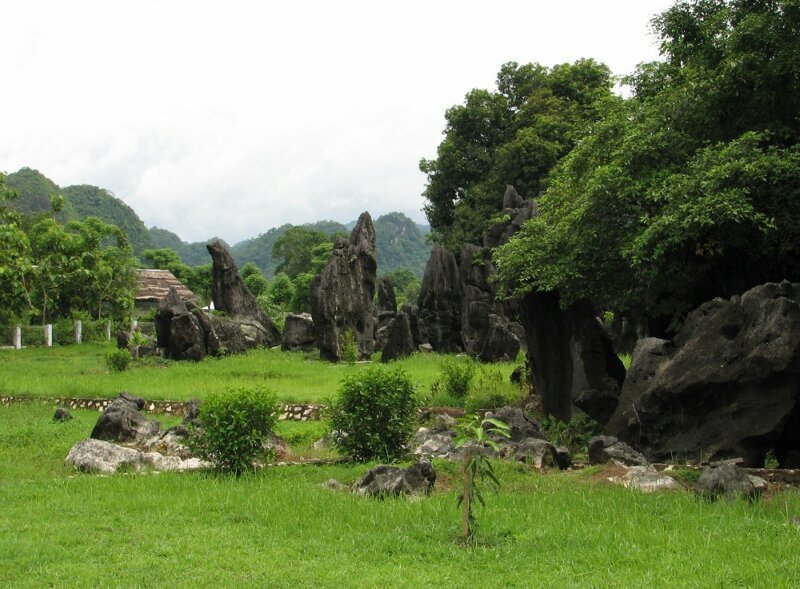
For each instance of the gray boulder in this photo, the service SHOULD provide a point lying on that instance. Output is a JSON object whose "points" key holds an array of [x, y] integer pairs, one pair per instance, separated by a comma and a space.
{"points": [[169, 307], [383, 481], [341, 295], [99, 456], [539, 453], [387, 301], [298, 333], [186, 338], [604, 449], [121, 421], [725, 480], [521, 426], [728, 385]]}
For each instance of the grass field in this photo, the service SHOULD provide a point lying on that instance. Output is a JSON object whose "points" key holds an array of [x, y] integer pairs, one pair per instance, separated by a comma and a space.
{"points": [[81, 371], [280, 528]]}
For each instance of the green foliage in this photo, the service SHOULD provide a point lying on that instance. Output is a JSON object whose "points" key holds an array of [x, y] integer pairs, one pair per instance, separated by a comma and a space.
{"points": [[118, 360], [16, 265], [406, 285], [281, 290], [197, 278], [575, 435], [399, 243], [374, 415], [473, 437], [293, 250], [512, 136], [457, 376], [234, 427], [348, 347], [490, 389], [691, 188]]}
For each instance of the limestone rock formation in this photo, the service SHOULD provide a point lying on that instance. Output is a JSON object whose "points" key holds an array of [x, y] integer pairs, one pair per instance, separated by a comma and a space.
{"points": [[604, 449], [387, 301], [440, 302], [568, 354], [725, 480], [232, 296], [99, 456], [341, 295], [417, 479], [122, 421], [728, 385], [298, 332], [399, 342], [486, 332]]}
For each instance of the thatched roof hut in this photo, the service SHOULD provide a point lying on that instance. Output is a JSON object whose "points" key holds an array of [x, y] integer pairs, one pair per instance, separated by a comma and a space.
{"points": [[155, 284]]}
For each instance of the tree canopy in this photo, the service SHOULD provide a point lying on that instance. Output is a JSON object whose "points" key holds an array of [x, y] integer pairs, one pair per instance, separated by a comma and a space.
{"points": [[513, 135], [689, 189]]}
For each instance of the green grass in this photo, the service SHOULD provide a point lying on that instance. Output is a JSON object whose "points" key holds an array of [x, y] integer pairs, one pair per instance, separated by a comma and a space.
{"points": [[81, 371], [279, 528]]}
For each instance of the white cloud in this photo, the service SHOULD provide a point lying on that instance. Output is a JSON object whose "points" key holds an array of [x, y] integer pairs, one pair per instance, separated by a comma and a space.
{"points": [[230, 118]]}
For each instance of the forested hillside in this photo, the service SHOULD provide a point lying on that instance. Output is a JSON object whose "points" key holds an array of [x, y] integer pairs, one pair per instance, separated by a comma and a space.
{"points": [[400, 241]]}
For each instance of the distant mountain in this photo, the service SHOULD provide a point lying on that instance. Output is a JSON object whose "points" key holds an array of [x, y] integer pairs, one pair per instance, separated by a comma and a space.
{"points": [[400, 241]]}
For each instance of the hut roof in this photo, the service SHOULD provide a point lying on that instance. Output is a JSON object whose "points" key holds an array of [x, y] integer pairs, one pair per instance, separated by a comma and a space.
{"points": [[155, 284]]}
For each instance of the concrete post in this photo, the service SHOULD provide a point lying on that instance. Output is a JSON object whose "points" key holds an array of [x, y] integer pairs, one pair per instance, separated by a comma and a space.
{"points": [[78, 331], [48, 335], [17, 337]]}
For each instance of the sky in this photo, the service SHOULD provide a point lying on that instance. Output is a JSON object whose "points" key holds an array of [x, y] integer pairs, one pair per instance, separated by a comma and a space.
{"points": [[228, 118]]}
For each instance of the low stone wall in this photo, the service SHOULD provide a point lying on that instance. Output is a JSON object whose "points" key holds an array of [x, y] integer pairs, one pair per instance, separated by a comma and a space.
{"points": [[291, 412]]}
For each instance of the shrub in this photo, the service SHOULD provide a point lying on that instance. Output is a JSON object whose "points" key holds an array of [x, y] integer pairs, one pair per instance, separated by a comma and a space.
{"points": [[348, 346], [118, 360], [457, 376], [374, 415], [234, 427], [489, 389], [575, 434]]}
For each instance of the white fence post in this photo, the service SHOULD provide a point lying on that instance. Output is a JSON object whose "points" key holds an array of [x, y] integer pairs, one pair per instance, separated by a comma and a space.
{"points": [[17, 337], [78, 331], [108, 330], [134, 325], [48, 335]]}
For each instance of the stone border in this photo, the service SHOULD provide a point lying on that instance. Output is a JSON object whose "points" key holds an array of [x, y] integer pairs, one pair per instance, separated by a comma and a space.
{"points": [[289, 412]]}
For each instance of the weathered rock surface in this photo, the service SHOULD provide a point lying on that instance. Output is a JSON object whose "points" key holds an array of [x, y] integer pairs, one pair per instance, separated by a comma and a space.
{"points": [[604, 449], [232, 296], [62, 414], [399, 341], [486, 332], [107, 458], [518, 210], [648, 480], [383, 480], [521, 426], [122, 421], [538, 453], [568, 354], [298, 333], [725, 480], [387, 301], [728, 385], [341, 295], [440, 302]]}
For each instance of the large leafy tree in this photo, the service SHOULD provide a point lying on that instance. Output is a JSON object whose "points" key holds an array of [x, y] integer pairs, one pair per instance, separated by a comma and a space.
{"points": [[511, 136], [16, 265], [293, 250], [689, 189]]}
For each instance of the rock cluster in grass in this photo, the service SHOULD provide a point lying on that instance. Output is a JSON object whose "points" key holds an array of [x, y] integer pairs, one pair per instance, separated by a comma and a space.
{"points": [[527, 442], [123, 438], [728, 385], [391, 481]]}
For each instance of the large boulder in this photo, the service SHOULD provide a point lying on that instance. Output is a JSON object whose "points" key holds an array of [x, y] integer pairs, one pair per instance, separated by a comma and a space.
{"points": [[122, 421], [387, 301], [186, 338], [399, 342], [728, 385], [725, 480], [568, 354], [99, 456], [383, 480], [232, 296], [440, 302], [298, 332], [169, 307], [603, 449], [341, 295]]}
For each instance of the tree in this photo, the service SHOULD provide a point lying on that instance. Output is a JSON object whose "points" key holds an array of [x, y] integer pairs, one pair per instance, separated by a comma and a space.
{"points": [[691, 188], [254, 279], [281, 290], [512, 136], [16, 265], [293, 250], [406, 285], [196, 278]]}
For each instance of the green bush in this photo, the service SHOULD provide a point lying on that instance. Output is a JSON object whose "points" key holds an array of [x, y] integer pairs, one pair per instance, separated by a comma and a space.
{"points": [[233, 428], [374, 415], [489, 389], [348, 346], [457, 376], [575, 434], [118, 360]]}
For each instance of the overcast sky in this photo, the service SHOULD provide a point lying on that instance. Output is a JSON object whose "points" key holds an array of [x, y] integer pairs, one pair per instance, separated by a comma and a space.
{"points": [[228, 118]]}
